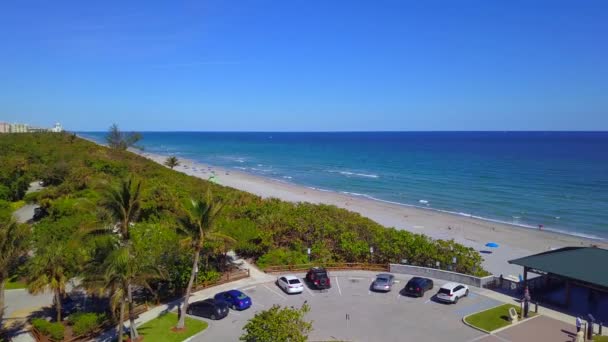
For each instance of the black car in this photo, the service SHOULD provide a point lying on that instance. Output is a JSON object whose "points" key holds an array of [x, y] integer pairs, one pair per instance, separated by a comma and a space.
{"points": [[209, 308], [417, 286], [318, 277]]}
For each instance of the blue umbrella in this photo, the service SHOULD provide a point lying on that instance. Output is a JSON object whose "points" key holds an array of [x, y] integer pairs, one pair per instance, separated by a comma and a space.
{"points": [[492, 245]]}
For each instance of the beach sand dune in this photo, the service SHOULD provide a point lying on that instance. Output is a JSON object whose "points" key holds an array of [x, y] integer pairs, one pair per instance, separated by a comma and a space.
{"points": [[514, 241]]}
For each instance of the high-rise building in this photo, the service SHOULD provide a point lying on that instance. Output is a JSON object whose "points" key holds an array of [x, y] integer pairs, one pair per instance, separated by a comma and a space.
{"points": [[5, 127], [19, 128]]}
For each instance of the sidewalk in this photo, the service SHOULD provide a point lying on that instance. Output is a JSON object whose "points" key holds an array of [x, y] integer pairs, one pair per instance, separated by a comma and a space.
{"points": [[560, 316], [255, 277]]}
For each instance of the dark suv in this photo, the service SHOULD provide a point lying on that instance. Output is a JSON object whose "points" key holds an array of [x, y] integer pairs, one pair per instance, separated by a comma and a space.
{"points": [[417, 286], [318, 278]]}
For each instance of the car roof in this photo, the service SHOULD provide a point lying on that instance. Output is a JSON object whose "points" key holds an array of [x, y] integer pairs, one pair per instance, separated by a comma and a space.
{"points": [[384, 275], [318, 269], [234, 292], [450, 286], [419, 279], [290, 277]]}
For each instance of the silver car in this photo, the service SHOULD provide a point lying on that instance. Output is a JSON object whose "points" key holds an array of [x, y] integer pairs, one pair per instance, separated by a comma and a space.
{"points": [[384, 282]]}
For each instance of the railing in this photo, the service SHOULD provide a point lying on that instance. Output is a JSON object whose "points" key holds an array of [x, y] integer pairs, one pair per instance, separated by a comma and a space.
{"points": [[225, 278], [332, 266]]}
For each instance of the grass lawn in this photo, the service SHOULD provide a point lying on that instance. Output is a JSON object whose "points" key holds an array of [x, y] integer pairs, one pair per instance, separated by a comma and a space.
{"points": [[159, 329], [600, 338], [494, 318], [14, 283]]}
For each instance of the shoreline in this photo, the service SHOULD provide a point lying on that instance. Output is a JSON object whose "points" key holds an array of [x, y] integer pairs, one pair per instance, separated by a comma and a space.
{"points": [[515, 241]]}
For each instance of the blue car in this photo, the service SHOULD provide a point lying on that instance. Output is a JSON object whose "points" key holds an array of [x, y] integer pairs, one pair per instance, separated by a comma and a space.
{"points": [[236, 299]]}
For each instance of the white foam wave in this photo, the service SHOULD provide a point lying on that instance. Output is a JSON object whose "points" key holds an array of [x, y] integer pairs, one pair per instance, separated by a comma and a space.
{"points": [[287, 177], [354, 174]]}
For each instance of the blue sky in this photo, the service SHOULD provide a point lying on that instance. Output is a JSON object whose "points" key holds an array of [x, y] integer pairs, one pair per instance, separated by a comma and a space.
{"points": [[312, 65]]}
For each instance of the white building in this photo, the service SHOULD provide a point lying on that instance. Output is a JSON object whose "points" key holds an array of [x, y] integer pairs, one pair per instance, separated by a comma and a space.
{"points": [[57, 128], [5, 127], [19, 128]]}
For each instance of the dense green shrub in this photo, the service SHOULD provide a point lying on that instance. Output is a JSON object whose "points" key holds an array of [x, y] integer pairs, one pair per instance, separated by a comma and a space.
{"points": [[282, 256], [85, 322], [55, 330], [269, 231]]}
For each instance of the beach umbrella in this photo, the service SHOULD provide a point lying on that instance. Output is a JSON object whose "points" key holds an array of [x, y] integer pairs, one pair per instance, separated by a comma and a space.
{"points": [[492, 245]]}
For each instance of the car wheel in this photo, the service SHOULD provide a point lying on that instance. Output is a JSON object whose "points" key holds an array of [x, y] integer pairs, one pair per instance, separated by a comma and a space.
{"points": [[213, 317], [455, 300], [422, 294], [233, 307], [466, 294]]}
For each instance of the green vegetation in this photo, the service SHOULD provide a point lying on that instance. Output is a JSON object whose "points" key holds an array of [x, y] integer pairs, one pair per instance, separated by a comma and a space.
{"points": [[14, 283], [495, 318], [119, 221], [161, 329], [55, 330], [172, 162], [85, 322], [598, 338], [278, 325], [118, 140]]}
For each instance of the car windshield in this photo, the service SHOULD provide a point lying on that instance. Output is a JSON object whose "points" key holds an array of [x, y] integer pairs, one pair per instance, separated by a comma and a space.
{"points": [[381, 280], [294, 281], [445, 291], [241, 296]]}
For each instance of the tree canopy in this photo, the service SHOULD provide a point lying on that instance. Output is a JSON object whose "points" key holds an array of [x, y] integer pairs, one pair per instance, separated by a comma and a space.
{"points": [[119, 140], [278, 324]]}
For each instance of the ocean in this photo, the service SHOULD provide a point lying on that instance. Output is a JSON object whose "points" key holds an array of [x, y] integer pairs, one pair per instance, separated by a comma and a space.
{"points": [[557, 179]]}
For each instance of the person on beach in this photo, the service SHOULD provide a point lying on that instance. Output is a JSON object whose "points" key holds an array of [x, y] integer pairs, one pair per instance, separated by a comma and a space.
{"points": [[579, 323]]}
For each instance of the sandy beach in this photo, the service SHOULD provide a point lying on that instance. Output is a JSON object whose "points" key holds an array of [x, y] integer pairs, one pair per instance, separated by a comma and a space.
{"points": [[514, 241]]}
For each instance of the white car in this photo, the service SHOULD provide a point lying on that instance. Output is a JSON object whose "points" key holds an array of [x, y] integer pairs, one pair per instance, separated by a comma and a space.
{"points": [[451, 292], [290, 284]]}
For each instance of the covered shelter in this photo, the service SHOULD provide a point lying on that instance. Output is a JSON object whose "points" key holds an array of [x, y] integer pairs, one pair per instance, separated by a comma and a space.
{"points": [[580, 267]]}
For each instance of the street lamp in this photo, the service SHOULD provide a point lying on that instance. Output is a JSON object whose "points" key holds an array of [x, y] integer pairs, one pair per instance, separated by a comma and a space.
{"points": [[308, 252], [371, 253]]}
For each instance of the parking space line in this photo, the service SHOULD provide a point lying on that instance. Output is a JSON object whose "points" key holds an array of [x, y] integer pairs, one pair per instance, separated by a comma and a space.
{"points": [[248, 288], [307, 289], [258, 304], [479, 337], [338, 283], [273, 291], [235, 313]]}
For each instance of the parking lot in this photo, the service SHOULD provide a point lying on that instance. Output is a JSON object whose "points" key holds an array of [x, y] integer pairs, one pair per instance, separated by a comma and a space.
{"points": [[350, 311]]}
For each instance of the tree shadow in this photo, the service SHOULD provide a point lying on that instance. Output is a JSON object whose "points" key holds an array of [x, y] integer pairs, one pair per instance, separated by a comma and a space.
{"points": [[12, 330]]}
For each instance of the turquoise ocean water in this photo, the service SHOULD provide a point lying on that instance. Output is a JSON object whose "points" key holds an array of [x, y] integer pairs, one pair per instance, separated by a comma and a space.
{"points": [[557, 179]]}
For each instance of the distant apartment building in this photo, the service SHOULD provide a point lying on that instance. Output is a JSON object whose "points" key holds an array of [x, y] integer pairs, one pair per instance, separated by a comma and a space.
{"points": [[25, 128], [19, 128]]}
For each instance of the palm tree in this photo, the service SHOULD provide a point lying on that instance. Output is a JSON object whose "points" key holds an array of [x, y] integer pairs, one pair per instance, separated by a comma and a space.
{"points": [[197, 223], [123, 203], [13, 238], [172, 162], [51, 269], [122, 269]]}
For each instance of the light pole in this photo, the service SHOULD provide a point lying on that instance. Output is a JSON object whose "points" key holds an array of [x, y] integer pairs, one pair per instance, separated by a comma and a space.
{"points": [[371, 254], [308, 252]]}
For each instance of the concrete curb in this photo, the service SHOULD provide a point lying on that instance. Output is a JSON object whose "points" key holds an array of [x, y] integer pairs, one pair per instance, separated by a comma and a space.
{"points": [[496, 330]]}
